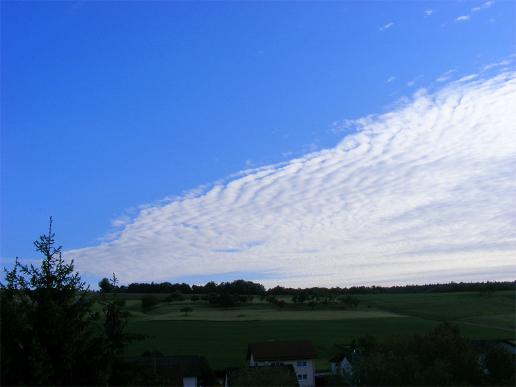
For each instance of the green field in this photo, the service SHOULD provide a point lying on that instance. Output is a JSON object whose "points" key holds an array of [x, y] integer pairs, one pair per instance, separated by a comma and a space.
{"points": [[222, 334]]}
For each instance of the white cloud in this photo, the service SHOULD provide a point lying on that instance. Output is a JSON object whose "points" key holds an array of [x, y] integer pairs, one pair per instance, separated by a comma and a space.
{"points": [[386, 26], [429, 12], [390, 79], [413, 81], [467, 78], [504, 62], [446, 76], [485, 5], [422, 193]]}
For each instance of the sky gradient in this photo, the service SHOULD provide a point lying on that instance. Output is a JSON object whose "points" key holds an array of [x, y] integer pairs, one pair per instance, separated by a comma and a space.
{"points": [[294, 143]]}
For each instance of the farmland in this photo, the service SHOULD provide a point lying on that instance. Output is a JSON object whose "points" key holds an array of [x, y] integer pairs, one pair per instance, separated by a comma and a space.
{"points": [[222, 334]]}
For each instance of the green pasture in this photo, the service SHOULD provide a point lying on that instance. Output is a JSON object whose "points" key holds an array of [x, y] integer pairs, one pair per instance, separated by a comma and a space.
{"points": [[224, 343], [444, 306], [253, 312], [222, 334]]}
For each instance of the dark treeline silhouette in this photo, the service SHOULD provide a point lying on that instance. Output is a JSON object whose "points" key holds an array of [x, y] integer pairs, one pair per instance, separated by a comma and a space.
{"points": [[253, 288], [235, 287], [440, 357]]}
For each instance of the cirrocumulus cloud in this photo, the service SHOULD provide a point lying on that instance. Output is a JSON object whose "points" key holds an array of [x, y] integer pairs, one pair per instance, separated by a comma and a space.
{"points": [[423, 193]]}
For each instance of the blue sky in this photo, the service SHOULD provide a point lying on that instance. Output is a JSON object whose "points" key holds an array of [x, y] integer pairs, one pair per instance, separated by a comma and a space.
{"points": [[108, 106]]}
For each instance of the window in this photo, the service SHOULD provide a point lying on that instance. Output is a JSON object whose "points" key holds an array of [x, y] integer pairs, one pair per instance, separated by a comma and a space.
{"points": [[304, 376], [301, 363], [299, 377]]}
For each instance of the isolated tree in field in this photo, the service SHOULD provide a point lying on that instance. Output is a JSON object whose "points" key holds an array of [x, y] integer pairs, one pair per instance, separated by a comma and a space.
{"points": [[50, 335], [106, 286]]}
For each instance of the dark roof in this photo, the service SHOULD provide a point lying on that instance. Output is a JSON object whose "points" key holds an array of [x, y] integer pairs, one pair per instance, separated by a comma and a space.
{"points": [[172, 369], [263, 376], [185, 365], [281, 350]]}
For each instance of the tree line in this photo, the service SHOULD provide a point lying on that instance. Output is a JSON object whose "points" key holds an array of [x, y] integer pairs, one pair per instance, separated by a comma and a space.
{"points": [[244, 287], [234, 287]]}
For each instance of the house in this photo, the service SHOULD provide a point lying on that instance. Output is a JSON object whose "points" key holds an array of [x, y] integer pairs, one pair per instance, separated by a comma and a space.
{"points": [[341, 364], [509, 346], [299, 354]]}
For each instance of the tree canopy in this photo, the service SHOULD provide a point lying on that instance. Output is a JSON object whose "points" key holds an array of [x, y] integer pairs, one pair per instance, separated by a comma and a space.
{"points": [[50, 333]]}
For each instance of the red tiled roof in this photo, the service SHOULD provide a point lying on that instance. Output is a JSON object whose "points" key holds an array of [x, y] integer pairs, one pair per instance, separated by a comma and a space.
{"points": [[281, 350]]}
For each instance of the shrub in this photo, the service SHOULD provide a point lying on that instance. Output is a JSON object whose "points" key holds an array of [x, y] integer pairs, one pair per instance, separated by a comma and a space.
{"points": [[175, 296], [224, 299], [274, 301], [148, 301]]}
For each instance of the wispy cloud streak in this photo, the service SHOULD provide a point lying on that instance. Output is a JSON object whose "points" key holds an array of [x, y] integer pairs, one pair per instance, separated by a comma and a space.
{"points": [[425, 189], [446, 76], [386, 26], [481, 7]]}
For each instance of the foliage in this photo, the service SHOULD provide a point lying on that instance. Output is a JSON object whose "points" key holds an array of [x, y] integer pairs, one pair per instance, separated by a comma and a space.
{"points": [[106, 286], [148, 301], [115, 321], [223, 299], [50, 335], [328, 295], [174, 296], [349, 301], [300, 297], [275, 301], [440, 357], [235, 287], [483, 287], [333, 381], [500, 365]]}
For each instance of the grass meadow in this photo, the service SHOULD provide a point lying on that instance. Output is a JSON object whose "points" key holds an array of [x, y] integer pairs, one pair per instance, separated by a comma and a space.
{"points": [[222, 334]]}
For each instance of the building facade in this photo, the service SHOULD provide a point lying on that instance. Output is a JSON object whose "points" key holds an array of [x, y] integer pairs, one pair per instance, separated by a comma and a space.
{"points": [[299, 355]]}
